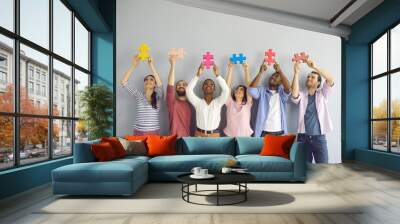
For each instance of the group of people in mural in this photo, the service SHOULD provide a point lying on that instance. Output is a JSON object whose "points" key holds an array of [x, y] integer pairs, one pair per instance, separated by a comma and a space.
{"points": [[313, 116]]}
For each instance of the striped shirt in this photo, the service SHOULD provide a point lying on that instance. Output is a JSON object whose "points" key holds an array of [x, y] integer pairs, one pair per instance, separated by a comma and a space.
{"points": [[147, 118]]}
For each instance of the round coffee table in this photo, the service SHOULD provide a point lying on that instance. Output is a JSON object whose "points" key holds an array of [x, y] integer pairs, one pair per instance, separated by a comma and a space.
{"points": [[238, 179]]}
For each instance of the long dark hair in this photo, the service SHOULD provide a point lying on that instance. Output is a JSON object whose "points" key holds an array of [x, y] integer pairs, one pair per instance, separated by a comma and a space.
{"points": [[244, 101], [154, 94]]}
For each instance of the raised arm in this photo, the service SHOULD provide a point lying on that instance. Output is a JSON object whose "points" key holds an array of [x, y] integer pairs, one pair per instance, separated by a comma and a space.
{"points": [[154, 72], [284, 80], [171, 74], [325, 74], [295, 81], [247, 80], [193, 99], [229, 74], [246, 74], [135, 63], [224, 87], [256, 80]]}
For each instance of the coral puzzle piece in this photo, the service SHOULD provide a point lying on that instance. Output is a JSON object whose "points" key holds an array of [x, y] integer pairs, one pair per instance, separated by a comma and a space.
{"points": [[179, 52], [300, 57], [238, 58], [270, 54], [144, 52], [208, 60]]}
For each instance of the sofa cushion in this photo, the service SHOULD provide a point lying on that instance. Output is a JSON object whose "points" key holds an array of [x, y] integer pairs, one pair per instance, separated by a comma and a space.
{"points": [[134, 157], [161, 145], [257, 163], [185, 163], [249, 145], [116, 145], [112, 171], [197, 146], [134, 147], [103, 152], [277, 145]]}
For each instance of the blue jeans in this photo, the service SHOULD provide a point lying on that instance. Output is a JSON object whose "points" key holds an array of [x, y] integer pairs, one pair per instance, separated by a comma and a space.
{"points": [[316, 146]]}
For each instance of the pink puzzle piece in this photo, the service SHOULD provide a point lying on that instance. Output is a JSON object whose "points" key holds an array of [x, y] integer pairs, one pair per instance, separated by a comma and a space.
{"points": [[208, 60], [270, 54], [300, 57], [296, 58], [180, 52]]}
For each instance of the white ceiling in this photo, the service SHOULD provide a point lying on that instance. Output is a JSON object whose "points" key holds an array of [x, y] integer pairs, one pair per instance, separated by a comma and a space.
{"points": [[315, 15], [319, 9]]}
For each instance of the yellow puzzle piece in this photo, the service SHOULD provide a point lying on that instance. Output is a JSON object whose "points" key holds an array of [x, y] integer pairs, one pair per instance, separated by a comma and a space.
{"points": [[144, 52]]}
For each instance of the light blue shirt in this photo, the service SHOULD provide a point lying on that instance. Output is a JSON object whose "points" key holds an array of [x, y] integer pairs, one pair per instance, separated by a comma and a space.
{"points": [[263, 94]]}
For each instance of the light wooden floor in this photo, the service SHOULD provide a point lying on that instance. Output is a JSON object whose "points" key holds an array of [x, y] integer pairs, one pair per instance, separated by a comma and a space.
{"points": [[378, 188]]}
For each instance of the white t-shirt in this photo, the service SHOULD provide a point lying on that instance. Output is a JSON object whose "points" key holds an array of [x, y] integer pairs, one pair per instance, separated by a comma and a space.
{"points": [[208, 116], [273, 122]]}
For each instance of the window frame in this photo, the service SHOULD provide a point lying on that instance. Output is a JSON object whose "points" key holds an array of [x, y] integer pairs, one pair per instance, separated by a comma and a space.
{"points": [[388, 74], [16, 114]]}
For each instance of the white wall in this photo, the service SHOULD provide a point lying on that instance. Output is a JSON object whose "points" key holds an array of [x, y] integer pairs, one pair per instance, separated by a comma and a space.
{"points": [[163, 25]]}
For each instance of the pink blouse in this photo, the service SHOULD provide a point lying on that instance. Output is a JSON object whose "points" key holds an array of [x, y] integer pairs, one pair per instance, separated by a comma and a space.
{"points": [[238, 119]]}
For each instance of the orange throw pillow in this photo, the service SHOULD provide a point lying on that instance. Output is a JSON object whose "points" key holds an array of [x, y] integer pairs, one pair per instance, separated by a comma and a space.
{"points": [[161, 145], [277, 145], [136, 137], [103, 152], [116, 145]]}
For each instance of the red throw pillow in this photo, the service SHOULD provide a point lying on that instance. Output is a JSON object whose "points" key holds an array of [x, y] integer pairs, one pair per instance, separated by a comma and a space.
{"points": [[277, 145], [103, 152], [161, 145], [116, 145]]}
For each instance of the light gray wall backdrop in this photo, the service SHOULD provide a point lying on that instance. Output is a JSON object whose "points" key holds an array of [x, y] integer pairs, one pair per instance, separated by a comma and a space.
{"points": [[164, 25]]}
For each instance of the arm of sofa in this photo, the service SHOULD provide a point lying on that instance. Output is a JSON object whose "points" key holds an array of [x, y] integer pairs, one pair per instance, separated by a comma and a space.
{"points": [[83, 152], [298, 157]]}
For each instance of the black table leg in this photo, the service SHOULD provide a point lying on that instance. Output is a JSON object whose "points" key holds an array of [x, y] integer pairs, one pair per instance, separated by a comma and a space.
{"points": [[245, 193], [188, 190], [217, 194], [196, 187]]}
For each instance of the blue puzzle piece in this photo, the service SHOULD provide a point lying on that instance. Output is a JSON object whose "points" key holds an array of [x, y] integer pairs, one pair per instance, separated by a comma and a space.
{"points": [[235, 58]]}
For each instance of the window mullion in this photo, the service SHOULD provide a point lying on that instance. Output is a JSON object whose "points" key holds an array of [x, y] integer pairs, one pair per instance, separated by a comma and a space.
{"points": [[371, 137], [50, 81], [389, 101], [16, 70], [73, 82]]}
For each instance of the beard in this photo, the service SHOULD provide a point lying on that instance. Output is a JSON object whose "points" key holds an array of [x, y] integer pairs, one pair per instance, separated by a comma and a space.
{"points": [[181, 92]]}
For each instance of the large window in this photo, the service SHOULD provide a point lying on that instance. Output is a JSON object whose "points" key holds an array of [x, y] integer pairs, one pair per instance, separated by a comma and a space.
{"points": [[44, 64], [385, 94]]}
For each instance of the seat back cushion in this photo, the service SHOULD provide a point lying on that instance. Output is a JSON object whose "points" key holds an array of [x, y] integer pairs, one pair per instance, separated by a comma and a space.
{"points": [[83, 152], [249, 145], [201, 145]]}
